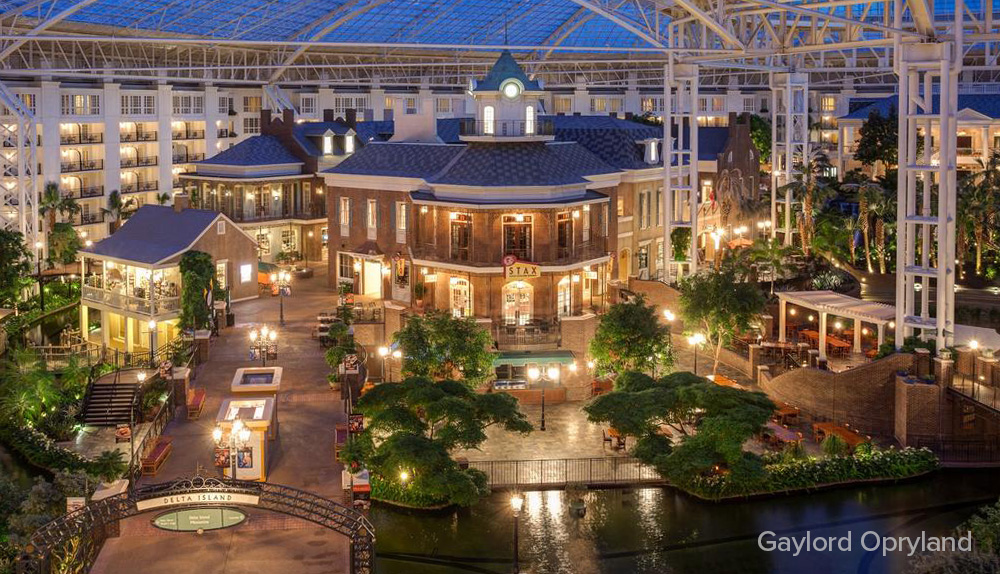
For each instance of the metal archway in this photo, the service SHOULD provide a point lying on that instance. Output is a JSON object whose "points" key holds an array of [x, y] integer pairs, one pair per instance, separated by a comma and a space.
{"points": [[77, 536]]}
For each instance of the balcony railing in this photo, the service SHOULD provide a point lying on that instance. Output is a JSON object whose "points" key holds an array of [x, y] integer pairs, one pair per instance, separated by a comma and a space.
{"points": [[77, 193], [536, 332], [188, 157], [140, 161], [505, 128], [141, 186], [83, 165], [138, 137], [188, 135], [77, 139], [88, 218], [119, 300], [227, 134]]}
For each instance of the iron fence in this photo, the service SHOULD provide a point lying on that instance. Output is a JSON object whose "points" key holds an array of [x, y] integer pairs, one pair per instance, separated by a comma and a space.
{"points": [[958, 450], [554, 473]]}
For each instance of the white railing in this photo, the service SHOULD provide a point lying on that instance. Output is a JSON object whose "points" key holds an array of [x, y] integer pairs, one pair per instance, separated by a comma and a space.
{"points": [[118, 300]]}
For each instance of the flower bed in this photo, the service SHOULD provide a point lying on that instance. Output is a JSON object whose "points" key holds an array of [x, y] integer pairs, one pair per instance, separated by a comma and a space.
{"points": [[40, 450], [783, 476]]}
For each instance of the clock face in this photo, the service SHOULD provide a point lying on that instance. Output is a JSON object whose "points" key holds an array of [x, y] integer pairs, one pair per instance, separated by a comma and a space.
{"points": [[511, 89]]}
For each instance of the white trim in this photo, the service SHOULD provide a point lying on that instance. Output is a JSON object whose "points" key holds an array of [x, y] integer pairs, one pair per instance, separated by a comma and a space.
{"points": [[494, 270], [248, 179]]}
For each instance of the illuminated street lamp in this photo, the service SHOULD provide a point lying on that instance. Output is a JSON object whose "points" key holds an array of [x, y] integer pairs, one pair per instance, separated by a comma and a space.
{"points": [[282, 279], [696, 340], [262, 343], [239, 436], [516, 504]]}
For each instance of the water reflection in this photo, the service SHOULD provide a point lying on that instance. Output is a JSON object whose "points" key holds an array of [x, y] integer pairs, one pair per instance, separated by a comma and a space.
{"points": [[649, 531]]}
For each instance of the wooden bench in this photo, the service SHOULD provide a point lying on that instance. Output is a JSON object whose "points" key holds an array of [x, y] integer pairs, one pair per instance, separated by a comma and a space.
{"points": [[195, 402], [159, 454]]}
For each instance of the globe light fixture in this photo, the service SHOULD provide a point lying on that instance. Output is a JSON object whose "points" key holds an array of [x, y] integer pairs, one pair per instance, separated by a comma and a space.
{"points": [[511, 89]]}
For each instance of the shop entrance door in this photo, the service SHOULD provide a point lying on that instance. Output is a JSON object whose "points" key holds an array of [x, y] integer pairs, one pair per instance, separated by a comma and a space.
{"points": [[517, 303], [372, 278]]}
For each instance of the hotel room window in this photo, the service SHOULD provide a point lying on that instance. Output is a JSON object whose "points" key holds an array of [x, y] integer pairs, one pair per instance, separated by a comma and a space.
{"points": [[348, 144], [564, 234], [488, 120], [345, 211], [327, 145], [586, 223], [372, 214], [517, 236]]}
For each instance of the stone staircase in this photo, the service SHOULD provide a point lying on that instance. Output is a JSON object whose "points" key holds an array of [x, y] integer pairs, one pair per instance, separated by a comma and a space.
{"points": [[110, 402]]}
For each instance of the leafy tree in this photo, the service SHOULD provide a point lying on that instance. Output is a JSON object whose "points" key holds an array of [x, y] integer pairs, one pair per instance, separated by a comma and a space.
{"points": [[197, 276], [15, 266], [27, 389], [878, 139], [712, 423], [630, 337], [64, 244], [441, 346], [760, 134], [109, 466], [978, 204], [984, 557], [162, 198], [772, 255], [411, 427], [47, 501], [680, 243], [718, 305]]}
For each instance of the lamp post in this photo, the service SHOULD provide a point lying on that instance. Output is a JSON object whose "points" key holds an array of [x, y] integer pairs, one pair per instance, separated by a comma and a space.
{"points": [[282, 279], [152, 343], [696, 340], [38, 262], [516, 503], [264, 341], [239, 435]]}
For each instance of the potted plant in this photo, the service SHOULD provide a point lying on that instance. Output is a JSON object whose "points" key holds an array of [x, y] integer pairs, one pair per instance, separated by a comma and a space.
{"points": [[419, 290]]}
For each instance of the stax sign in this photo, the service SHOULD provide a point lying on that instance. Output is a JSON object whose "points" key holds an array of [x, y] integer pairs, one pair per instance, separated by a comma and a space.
{"points": [[515, 269], [198, 498]]}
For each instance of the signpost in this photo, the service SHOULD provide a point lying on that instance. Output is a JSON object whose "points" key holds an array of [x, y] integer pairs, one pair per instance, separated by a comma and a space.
{"points": [[195, 519], [513, 268]]}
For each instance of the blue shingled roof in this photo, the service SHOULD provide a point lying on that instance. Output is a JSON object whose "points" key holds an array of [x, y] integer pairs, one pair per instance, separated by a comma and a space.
{"points": [[988, 105], [522, 164], [256, 150], [506, 67], [155, 233], [419, 160]]}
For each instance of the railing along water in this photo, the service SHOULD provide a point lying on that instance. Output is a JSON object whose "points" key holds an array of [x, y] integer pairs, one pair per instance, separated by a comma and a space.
{"points": [[557, 473]]}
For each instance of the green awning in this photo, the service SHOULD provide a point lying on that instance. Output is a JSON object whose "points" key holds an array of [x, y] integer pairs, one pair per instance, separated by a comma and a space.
{"points": [[264, 267], [522, 358]]}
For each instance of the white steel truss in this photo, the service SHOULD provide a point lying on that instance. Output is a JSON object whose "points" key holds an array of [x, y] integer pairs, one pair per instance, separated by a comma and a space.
{"points": [[789, 147], [680, 162], [925, 244], [18, 168]]}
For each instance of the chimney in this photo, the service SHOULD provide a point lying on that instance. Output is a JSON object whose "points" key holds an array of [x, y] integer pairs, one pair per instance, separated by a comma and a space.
{"points": [[418, 127], [328, 115], [576, 113], [265, 121], [629, 115], [351, 118], [288, 118], [182, 201], [369, 115]]}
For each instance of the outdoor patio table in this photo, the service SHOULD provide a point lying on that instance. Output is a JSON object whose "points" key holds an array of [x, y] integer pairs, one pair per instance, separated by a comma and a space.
{"points": [[783, 434]]}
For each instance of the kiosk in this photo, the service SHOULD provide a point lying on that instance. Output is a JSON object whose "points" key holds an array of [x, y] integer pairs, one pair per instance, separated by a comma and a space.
{"points": [[258, 415]]}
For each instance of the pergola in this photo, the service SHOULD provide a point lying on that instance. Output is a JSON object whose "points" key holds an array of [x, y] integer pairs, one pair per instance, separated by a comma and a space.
{"points": [[918, 47], [826, 303]]}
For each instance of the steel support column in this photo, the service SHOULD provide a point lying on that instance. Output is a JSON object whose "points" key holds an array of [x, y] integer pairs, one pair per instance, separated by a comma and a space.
{"points": [[925, 245], [19, 170], [680, 161], [789, 146]]}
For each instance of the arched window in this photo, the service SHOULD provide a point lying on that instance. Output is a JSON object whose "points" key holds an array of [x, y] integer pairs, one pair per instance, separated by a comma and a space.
{"points": [[461, 297], [517, 303], [529, 120], [488, 121]]}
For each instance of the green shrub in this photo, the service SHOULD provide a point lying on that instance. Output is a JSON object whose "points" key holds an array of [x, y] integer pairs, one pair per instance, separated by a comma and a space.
{"points": [[833, 445], [391, 491]]}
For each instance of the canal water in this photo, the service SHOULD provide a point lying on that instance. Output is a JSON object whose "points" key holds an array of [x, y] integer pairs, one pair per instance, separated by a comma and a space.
{"points": [[646, 531]]}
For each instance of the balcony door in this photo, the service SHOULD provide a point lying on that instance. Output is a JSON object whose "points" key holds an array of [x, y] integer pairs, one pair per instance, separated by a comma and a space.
{"points": [[517, 303]]}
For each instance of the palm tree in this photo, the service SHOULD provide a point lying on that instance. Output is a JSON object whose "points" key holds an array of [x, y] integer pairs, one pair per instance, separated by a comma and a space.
{"points": [[884, 210], [118, 210], [53, 202], [868, 193], [771, 254], [978, 204], [162, 198], [811, 190]]}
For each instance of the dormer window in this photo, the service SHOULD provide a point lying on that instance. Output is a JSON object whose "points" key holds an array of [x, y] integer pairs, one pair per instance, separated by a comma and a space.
{"points": [[488, 119], [348, 144], [652, 151], [529, 120], [327, 145]]}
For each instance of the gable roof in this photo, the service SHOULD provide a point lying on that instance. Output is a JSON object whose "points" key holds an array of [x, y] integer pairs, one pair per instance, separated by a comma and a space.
{"points": [[255, 150], [985, 104], [156, 233], [504, 68]]}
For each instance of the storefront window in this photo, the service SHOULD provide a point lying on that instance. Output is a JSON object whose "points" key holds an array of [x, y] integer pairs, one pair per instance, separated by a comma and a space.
{"points": [[345, 265], [264, 243], [402, 272], [220, 275], [517, 303]]}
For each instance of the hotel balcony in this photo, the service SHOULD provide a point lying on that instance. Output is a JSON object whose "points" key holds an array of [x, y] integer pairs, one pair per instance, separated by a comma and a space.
{"points": [[471, 129], [594, 248], [188, 135], [80, 139], [140, 161], [88, 218], [138, 137], [536, 333], [227, 134], [140, 186], [135, 300], [84, 192], [82, 165], [188, 157]]}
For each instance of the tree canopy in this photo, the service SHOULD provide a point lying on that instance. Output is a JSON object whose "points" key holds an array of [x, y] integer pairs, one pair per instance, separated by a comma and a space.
{"points": [[15, 265], [878, 139], [715, 303], [197, 276], [630, 337], [760, 134], [411, 427], [441, 346], [64, 243], [711, 422]]}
